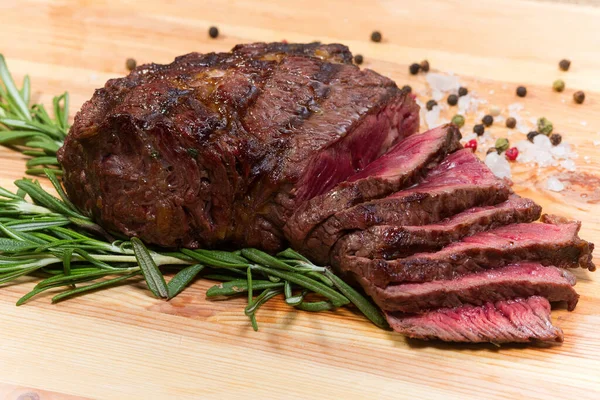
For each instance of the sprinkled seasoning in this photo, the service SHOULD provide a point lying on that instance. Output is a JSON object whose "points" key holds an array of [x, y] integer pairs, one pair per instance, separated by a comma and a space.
{"points": [[479, 129], [512, 153], [376, 36], [558, 85], [471, 144], [462, 91], [544, 126], [564, 64], [494, 111], [358, 59], [531, 135], [407, 89], [487, 120], [213, 32], [491, 150], [130, 63], [502, 144], [521, 91], [452, 99], [414, 68], [430, 104], [511, 123], [579, 97], [555, 139], [425, 66], [458, 120]]}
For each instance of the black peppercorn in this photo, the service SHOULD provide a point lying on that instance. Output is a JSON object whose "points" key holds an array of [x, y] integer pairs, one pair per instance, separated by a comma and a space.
{"points": [[531, 135], [452, 99], [564, 64], [487, 120], [425, 66], [511, 123], [579, 97], [213, 32], [414, 68], [358, 59], [521, 91], [406, 88], [491, 150], [376, 36], [555, 139], [479, 129], [130, 63], [430, 104], [462, 91]]}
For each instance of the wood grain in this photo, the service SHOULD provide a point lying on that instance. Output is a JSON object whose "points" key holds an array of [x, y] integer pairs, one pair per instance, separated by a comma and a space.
{"points": [[123, 344]]}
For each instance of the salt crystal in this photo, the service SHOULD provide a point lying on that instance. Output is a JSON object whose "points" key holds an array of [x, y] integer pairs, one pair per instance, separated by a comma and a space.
{"points": [[543, 142], [568, 164], [596, 142], [533, 120], [562, 151], [583, 123], [521, 127], [442, 83], [515, 107], [498, 165], [437, 95], [432, 117], [492, 91], [554, 184]]}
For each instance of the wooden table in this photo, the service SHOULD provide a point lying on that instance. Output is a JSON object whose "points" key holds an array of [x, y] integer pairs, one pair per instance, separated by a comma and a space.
{"points": [[123, 344]]}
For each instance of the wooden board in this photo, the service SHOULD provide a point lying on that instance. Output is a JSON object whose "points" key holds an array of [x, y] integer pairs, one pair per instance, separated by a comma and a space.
{"points": [[122, 344]]}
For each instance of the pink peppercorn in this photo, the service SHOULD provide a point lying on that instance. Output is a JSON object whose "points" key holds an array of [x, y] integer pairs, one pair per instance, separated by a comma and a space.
{"points": [[471, 144], [512, 153]]}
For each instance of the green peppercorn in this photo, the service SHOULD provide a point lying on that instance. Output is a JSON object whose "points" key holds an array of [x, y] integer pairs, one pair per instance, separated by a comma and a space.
{"points": [[453, 99], [130, 64], [213, 32], [558, 85], [358, 59], [479, 129], [531, 135], [458, 120], [376, 36], [555, 139], [502, 144], [491, 150], [521, 91], [544, 126], [564, 64], [425, 66], [579, 97], [407, 89], [462, 91], [414, 68], [430, 104], [511, 123], [487, 120]]}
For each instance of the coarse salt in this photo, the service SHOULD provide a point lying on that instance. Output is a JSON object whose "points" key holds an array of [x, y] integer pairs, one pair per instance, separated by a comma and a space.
{"points": [[554, 184], [498, 165]]}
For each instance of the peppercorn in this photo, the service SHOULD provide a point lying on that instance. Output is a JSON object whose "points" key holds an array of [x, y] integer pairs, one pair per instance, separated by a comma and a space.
{"points": [[511, 123], [487, 120], [531, 135], [462, 91], [494, 111], [512, 153], [430, 104], [558, 85], [491, 150], [130, 63], [502, 144], [213, 32], [425, 66], [521, 91], [414, 68], [544, 126], [479, 129], [453, 99], [458, 120], [579, 97], [407, 89], [376, 36], [358, 59], [555, 139], [471, 144], [564, 64]]}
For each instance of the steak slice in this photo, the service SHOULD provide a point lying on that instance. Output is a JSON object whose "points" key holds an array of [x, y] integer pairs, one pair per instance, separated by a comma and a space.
{"points": [[218, 148], [520, 320], [553, 242], [403, 165], [460, 182], [512, 281], [390, 241]]}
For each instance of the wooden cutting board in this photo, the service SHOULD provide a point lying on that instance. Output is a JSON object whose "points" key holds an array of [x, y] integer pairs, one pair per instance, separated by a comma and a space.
{"points": [[123, 344]]}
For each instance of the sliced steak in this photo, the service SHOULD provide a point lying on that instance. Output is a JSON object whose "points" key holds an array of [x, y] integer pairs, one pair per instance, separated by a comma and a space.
{"points": [[519, 320], [217, 149], [512, 281], [553, 242], [403, 165], [460, 182], [389, 241]]}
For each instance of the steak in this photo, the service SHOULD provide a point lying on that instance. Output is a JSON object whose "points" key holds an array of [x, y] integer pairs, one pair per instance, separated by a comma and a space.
{"points": [[519, 320], [403, 165], [219, 148], [391, 241], [460, 182], [513, 281]]}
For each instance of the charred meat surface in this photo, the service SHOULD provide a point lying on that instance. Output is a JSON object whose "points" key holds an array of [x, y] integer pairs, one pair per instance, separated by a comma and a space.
{"points": [[403, 165], [518, 320], [217, 149]]}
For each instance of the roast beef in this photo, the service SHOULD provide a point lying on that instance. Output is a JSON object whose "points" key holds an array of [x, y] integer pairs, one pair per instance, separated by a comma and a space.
{"points": [[403, 165], [518, 320], [460, 182], [217, 149], [512, 281]]}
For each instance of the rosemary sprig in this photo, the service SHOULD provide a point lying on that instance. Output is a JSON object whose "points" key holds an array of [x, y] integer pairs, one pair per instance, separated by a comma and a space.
{"points": [[30, 129]]}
